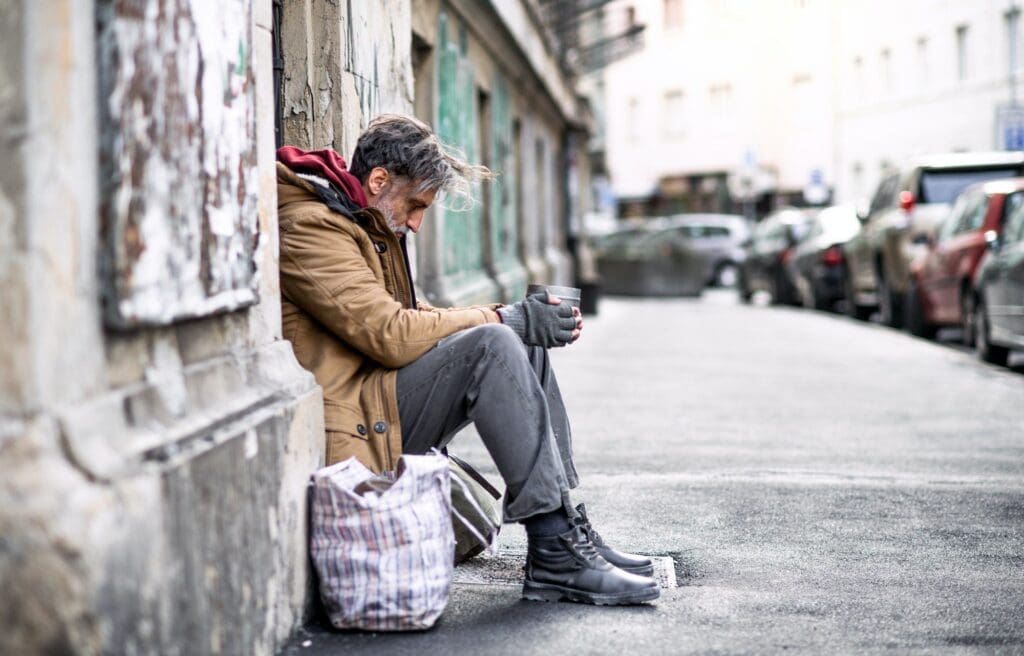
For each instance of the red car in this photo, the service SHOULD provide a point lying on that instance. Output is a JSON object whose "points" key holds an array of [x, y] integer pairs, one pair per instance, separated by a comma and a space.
{"points": [[941, 278]]}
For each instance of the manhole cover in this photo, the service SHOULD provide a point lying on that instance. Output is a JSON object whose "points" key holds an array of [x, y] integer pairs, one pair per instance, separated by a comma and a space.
{"points": [[506, 568]]}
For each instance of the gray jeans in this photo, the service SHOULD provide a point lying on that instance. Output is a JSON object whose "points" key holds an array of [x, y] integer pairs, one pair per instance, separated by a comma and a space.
{"points": [[487, 376]]}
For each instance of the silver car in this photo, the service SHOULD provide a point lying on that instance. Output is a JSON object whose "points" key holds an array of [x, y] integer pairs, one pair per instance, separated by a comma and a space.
{"points": [[673, 256]]}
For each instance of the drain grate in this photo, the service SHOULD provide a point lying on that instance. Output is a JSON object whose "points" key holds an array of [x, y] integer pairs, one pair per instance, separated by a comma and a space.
{"points": [[506, 568]]}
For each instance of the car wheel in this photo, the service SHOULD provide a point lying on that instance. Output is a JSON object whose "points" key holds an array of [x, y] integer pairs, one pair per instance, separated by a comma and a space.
{"points": [[986, 350], [853, 310], [817, 301], [889, 304], [727, 275], [913, 318], [967, 318]]}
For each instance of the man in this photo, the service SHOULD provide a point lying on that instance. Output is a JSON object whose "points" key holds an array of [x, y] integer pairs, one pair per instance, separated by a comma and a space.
{"points": [[401, 376]]}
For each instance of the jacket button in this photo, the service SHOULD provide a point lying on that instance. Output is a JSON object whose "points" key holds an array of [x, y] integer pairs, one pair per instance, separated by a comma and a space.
{"points": [[380, 246], [380, 426], [361, 429]]}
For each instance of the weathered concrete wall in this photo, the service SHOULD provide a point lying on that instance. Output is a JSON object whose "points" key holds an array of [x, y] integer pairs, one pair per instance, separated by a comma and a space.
{"points": [[342, 69], [152, 481]]}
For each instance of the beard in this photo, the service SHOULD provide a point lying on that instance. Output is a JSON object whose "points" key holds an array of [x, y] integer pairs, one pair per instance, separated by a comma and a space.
{"points": [[389, 218]]}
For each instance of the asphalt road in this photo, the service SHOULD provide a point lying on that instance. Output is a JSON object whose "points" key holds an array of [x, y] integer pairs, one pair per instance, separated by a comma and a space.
{"points": [[822, 485]]}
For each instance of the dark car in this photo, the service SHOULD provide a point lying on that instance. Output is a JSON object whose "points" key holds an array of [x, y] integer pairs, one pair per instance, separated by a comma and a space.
{"points": [[673, 256], [942, 277], [770, 248], [998, 307], [907, 206], [817, 265]]}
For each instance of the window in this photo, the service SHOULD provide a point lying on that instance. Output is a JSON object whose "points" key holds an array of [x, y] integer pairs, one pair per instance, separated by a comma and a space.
{"points": [[961, 53], [944, 185], [948, 226], [975, 215], [721, 98], [886, 193], [886, 64], [1013, 227], [1012, 21], [673, 123], [673, 14], [858, 76], [922, 62]]}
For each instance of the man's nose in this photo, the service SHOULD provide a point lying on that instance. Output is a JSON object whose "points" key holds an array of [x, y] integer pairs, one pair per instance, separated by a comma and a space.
{"points": [[414, 223]]}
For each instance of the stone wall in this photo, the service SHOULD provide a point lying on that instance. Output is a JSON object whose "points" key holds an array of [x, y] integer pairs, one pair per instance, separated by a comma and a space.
{"points": [[152, 479], [154, 455]]}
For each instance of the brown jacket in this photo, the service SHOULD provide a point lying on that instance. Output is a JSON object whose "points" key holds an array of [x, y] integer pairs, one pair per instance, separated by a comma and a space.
{"points": [[346, 305]]}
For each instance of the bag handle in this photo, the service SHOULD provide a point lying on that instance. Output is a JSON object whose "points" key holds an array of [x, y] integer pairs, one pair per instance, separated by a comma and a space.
{"points": [[468, 525], [475, 475]]}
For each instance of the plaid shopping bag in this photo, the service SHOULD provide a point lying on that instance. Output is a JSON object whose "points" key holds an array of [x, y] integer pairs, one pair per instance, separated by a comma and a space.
{"points": [[382, 544]]}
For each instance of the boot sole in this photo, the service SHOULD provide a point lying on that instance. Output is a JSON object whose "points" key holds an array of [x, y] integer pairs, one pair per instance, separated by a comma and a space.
{"points": [[533, 591]]}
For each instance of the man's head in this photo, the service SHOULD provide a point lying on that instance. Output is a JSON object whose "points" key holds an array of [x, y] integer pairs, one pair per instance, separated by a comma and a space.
{"points": [[403, 167]]}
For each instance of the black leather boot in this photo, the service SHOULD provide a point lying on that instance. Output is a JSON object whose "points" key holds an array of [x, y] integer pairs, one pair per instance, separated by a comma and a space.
{"points": [[568, 566], [631, 563]]}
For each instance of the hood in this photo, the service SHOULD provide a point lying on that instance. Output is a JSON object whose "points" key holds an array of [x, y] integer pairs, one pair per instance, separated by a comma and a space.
{"points": [[328, 165]]}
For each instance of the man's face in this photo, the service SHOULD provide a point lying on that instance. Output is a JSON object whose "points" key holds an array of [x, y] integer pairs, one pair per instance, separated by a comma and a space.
{"points": [[399, 202]]}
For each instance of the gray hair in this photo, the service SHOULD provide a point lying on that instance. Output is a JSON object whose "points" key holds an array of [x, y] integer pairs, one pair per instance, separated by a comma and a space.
{"points": [[407, 148]]}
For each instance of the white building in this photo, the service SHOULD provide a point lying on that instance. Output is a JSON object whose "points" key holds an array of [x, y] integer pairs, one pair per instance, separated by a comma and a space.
{"points": [[930, 77], [733, 99]]}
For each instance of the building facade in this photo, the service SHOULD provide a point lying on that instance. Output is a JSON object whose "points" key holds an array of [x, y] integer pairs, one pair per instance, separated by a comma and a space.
{"points": [[933, 77], [743, 106], [156, 432]]}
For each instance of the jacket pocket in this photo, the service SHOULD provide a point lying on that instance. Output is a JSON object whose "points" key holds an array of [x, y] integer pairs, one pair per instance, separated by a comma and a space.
{"points": [[348, 436]]}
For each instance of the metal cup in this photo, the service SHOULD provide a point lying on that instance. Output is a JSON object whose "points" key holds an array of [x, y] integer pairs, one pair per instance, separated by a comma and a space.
{"points": [[570, 295]]}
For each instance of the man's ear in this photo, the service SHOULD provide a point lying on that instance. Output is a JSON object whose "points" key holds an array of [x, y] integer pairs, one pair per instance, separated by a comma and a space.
{"points": [[376, 180]]}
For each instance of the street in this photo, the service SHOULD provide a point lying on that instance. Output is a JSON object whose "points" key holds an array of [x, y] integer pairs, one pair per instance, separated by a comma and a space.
{"points": [[822, 485]]}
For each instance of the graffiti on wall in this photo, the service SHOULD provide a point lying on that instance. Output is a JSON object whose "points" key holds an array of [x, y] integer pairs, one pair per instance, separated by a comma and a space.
{"points": [[178, 159]]}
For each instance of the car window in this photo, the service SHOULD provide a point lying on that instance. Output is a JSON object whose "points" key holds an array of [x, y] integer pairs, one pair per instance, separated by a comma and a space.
{"points": [[974, 215], [1013, 228], [949, 225], [885, 194], [943, 185], [1013, 203]]}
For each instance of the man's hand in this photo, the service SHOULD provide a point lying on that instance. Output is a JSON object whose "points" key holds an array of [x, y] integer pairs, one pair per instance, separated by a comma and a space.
{"points": [[579, 323], [542, 320]]}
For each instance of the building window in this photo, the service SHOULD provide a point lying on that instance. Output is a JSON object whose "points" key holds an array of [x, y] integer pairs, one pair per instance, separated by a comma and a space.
{"points": [[886, 61], [673, 14], [673, 123], [1012, 20], [922, 62], [721, 98], [858, 76], [961, 53]]}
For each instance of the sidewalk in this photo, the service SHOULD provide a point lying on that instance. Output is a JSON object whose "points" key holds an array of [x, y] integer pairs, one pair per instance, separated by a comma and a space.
{"points": [[814, 485]]}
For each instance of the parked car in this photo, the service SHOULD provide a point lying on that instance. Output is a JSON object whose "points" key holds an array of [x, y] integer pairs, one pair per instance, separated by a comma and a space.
{"points": [[720, 238], [769, 250], [672, 256], [998, 308], [817, 265], [907, 206], [941, 278]]}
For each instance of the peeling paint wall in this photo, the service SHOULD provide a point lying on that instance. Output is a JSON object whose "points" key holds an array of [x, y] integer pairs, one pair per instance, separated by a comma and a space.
{"points": [[345, 62], [152, 477], [178, 158]]}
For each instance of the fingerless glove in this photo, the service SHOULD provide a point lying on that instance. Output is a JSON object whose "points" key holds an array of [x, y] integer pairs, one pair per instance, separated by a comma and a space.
{"points": [[539, 323]]}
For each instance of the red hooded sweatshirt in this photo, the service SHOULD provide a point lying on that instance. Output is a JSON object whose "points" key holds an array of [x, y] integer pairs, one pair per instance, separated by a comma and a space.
{"points": [[326, 164]]}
